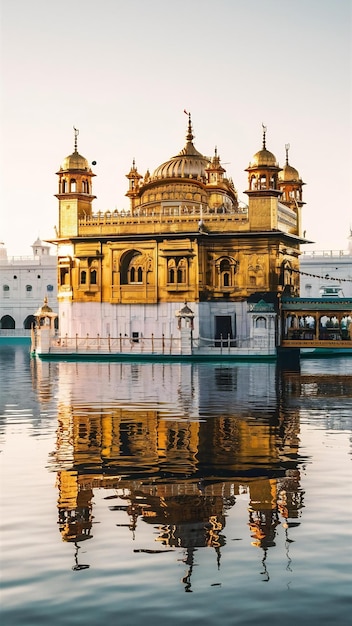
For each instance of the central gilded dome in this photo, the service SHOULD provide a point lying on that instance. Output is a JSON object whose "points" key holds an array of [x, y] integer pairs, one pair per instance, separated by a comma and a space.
{"points": [[189, 163]]}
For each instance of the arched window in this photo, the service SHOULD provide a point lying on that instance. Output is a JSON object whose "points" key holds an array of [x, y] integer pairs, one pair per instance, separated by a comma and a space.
{"points": [[64, 276], [5, 288], [131, 259], [262, 182], [50, 287], [29, 287], [139, 275], [253, 183], [93, 277], [171, 275], [63, 185], [260, 322], [286, 274], [73, 185], [182, 272], [171, 271], [225, 273], [7, 322], [29, 322], [83, 277]]}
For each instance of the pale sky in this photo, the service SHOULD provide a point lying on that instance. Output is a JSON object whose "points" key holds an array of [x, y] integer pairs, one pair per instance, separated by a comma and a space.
{"points": [[123, 72]]}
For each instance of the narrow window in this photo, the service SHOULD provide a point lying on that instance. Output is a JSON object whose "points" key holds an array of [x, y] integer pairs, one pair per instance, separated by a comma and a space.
{"points": [[93, 277], [260, 322], [83, 277], [64, 276]]}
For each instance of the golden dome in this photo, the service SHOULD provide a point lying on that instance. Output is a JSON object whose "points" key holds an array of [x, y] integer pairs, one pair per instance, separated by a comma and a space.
{"points": [[45, 310], [75, 162], [288, 173], [189, 163], [264, 158]]}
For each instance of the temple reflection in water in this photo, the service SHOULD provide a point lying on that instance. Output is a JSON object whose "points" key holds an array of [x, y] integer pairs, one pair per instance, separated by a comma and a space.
{"points": [[175, 445]]}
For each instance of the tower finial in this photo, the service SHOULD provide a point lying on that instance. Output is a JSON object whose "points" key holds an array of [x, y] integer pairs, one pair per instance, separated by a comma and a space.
{"points": [[264, 135], [189, 135], [287, 147], [76, 131]]}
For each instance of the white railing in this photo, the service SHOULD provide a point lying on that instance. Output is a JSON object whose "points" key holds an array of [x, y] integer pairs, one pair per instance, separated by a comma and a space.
{"points": [[145, 345], [123, 345], [325, 253]]}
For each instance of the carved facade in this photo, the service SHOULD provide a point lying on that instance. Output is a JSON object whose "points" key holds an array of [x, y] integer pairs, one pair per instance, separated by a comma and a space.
{"points": [[185, 238]]}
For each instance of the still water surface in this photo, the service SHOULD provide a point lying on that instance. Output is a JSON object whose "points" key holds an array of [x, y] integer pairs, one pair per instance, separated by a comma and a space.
{"points": [[182, 494]]}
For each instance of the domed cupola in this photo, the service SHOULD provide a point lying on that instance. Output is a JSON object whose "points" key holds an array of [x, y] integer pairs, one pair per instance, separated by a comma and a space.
{"points": [[263, 169], [290, 183], [75, 191], [75, 161], [134, 178], [75, 174], [215, 171], [189, 163]]}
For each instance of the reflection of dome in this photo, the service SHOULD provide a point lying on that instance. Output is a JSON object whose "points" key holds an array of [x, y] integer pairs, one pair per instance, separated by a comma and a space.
{"points": [[288, 173], [264, 158], [75, 162], [189, 163]]}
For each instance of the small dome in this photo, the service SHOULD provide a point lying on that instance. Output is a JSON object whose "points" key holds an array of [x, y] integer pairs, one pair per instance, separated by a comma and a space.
{"points": [[288, 173], [264, 158], [75, 162], [45, 310]]}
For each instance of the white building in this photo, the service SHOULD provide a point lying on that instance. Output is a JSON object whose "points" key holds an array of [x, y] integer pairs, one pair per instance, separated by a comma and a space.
{"points": [[24, 283], [326, 273]]}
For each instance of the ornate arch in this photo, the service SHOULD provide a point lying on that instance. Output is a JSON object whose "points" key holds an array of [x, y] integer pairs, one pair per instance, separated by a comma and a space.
{"points": [[134, 266], [225, 271]]}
